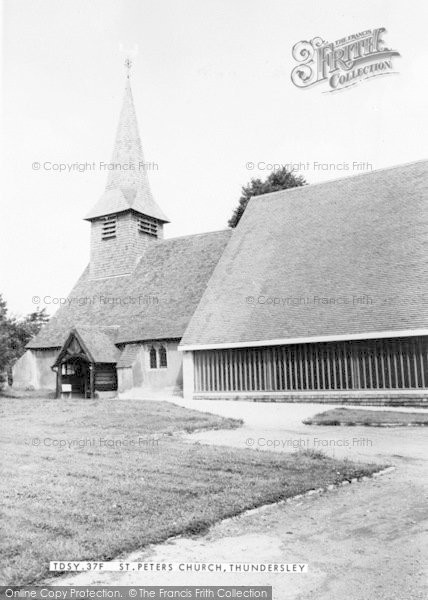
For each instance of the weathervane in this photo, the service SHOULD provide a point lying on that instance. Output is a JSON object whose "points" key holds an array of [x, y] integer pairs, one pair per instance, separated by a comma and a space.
{"points": [[129, 54], [128, 65]]}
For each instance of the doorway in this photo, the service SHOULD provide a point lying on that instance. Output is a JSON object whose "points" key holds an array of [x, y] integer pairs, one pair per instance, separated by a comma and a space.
{"points": [[75, 372]]}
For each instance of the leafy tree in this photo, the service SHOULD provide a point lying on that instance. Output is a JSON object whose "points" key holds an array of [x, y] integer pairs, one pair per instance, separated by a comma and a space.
{"points": [[277, 180], [22, 330], [5, 350]]}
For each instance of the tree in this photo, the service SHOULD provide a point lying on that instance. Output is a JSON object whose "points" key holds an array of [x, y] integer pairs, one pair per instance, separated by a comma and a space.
{"points": [[5, 350], [22, 330], [282, 179]]}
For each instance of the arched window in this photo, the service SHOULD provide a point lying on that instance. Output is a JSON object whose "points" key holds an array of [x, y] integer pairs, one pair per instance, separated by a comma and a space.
{"points": [[153, 358], [163, 361]]}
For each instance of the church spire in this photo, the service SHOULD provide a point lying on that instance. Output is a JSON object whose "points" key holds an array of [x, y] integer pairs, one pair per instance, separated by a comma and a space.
{"points": [[128, 185]]}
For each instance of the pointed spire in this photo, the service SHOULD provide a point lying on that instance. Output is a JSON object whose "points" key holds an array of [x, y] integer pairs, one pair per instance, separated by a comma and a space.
{"points": [[127, 183]]}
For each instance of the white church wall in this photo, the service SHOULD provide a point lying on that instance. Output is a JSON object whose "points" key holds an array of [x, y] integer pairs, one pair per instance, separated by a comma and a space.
{"points": [[162, 378], [125, 379], [33, 370]]}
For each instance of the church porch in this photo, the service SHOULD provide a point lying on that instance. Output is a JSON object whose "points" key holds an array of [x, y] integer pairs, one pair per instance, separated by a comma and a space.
{"points": [[86, 366]]}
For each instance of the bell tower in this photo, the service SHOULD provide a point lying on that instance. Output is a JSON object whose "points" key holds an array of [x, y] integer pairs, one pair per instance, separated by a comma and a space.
{"points": [[126, 218]]}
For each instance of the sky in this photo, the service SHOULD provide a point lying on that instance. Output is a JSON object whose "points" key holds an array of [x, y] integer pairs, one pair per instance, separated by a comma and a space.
{"points": [[212, 89]]}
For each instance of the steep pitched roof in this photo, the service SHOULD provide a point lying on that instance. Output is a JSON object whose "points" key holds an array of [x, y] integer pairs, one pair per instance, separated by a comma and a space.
{"points": [[341, 240], [155, 302], [98, 345], [127, 184]]}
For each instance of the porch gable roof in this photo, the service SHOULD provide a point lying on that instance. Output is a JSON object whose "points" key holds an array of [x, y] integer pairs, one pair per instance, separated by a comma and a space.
{"points": [[98, 346]]}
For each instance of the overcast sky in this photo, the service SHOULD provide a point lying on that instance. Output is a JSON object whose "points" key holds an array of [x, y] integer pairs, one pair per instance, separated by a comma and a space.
{"points": [[212, 90]]}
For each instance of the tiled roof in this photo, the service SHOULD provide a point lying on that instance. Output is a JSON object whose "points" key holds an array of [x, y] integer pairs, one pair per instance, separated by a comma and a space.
{"points": [[128, 184], [155, 302], [100, 343], [353, 241]]}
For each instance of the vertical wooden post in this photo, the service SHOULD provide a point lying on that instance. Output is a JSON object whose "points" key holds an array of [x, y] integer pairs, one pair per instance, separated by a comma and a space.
{"points": [[395, 350], [322, 367], [274, 369], [210, 371], [408, 349], [415, 364], [285, 376], [216, 386], [369, 355], [207, 371], [388, 362], [305, 355], [360, 365], [91, 367], [199, 372], [339, 353], [294, 359], [317, 365], [311, 351], [328, 367], [401, 365], [382, 363], [267, 362], [202, 373], [259, 357], [421, 359], [352, 355], [255, 368], [240, 358], [345, 360], [58, 380], [235, 386]]}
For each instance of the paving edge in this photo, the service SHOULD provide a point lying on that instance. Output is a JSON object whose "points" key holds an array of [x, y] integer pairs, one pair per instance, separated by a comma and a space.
{"points": [[322, 490]]}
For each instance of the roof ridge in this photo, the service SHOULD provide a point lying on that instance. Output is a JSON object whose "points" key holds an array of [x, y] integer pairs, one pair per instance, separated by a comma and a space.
{"points": [[96, 327], [344, 178], [180, 237]]}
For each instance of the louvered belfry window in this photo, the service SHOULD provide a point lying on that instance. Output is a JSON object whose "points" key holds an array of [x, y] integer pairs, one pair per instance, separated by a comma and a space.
{"points": [[109, 228], [148, 225]]}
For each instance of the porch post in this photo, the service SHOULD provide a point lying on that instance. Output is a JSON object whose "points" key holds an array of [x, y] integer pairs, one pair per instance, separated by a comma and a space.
{"points": [[92, 380], [58, 380]]}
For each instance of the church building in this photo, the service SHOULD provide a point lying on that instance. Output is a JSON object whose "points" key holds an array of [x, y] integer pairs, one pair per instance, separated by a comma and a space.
{"points": [[320, 291]]}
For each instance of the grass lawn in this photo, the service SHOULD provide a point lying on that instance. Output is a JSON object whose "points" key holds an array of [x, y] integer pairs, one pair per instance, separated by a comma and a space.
{"points": [[103, 478], [369, 418]]}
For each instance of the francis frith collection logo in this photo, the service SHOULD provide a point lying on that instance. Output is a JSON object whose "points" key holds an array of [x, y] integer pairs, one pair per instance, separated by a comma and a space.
{"points": [[342, 63]]}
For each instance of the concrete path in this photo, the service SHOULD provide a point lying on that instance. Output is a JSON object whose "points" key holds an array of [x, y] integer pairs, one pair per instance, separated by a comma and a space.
{"points": [[364, 541]]}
